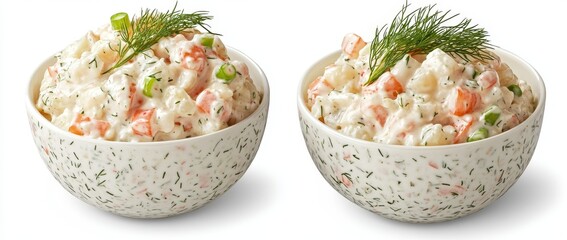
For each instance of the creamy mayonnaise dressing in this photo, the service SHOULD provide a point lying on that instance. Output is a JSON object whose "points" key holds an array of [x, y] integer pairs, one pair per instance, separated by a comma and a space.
{"points": [[170, 91], [424, 100]]}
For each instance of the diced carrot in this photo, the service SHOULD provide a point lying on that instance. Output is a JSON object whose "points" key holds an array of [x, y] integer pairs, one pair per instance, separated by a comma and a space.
{"points": [[75, 127], [386, 82], [204, 104], [204, 101], [462, 127], [196, 89], [464, 102], [380, 113], [142, 122], [101, 126], [314, 84], [352, 44], [391, 85], [319, 86], [488, 79], [195, 58]]}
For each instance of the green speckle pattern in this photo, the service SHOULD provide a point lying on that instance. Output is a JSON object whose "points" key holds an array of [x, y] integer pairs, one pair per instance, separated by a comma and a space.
{"points": [[150, 181], [421, 184]]}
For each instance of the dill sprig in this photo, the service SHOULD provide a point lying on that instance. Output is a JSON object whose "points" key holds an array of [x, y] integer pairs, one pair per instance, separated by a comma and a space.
{"points": [[422, 31], [150, 27]]}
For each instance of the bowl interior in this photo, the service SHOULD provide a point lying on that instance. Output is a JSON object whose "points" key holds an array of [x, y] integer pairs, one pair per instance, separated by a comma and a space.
{"points": [[256, 73]]}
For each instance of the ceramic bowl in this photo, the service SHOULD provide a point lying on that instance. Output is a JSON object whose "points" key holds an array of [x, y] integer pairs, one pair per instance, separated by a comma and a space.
{"points": [[423, 184], [150, 179]]}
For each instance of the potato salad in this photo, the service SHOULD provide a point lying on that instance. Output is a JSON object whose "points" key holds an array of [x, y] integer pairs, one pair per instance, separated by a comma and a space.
{"points": [[423, 100], [184, 85]]}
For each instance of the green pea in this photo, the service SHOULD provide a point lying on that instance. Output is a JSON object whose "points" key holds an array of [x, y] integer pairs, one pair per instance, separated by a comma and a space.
{"points": [[516, 90], [479, 134], [491, 115]]}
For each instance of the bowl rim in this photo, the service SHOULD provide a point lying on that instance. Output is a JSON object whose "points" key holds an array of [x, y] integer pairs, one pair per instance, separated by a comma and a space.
{"points": [[304, 112], [33, 111]]}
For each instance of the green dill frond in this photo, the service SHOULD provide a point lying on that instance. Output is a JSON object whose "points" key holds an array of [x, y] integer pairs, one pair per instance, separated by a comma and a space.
{"points": [[422, 31], [150, 27]]}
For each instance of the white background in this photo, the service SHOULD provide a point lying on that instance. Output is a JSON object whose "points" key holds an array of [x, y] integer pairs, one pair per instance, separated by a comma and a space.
{"points": [[282, 195]]}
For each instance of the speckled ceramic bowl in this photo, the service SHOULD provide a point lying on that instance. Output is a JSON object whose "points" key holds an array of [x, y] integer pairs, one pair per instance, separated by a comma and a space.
{"points": [[156, 179], [423, 184]]}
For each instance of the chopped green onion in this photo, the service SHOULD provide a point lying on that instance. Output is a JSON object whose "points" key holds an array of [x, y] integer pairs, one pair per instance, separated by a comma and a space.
{"points": [[148, 85], [491, 115], [120, 21], [207, 41], [515, 89], [226, 72], [479, 134]]}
